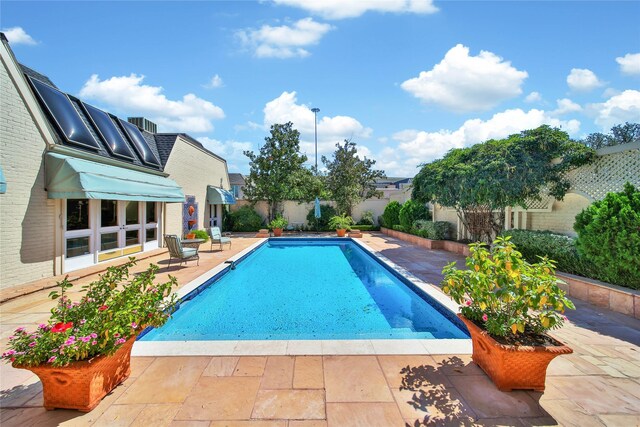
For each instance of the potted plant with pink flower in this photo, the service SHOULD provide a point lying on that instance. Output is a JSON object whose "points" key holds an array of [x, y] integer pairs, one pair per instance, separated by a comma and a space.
{"points": [[509, 305], [84, 351]]}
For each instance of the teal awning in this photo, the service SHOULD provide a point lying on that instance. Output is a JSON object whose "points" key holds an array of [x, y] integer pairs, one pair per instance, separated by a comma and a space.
{"points": [[3, 182], [219, 196], [73, 178]]}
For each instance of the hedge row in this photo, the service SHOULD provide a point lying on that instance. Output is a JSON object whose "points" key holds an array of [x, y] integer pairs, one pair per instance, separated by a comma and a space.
{"points": [[438, 230]]}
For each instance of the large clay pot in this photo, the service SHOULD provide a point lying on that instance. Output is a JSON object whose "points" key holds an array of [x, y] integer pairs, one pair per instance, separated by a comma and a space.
{"points": [[277, 232], [341, 232], [82, 385], [509, 366]]}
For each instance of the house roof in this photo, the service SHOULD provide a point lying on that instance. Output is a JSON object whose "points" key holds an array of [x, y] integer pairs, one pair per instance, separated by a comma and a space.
{"points": [[236, 179], [166, 141]]}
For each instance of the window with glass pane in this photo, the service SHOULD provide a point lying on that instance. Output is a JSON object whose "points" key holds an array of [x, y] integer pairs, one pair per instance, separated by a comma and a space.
{"points": [[77, 214], [108, 241], [151, 212], [152, 234], [108, 213], [131, 237], [77, 246], [131, 215]]}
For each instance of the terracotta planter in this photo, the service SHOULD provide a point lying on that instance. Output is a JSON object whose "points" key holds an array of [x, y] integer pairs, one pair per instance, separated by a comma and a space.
{"points": [[190, 236], [341, 232], [512, 367], [82, 385], [277, 232]]}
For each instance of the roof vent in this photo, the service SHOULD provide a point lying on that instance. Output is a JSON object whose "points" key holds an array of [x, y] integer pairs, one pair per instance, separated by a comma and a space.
{"points": [[144, 124]]}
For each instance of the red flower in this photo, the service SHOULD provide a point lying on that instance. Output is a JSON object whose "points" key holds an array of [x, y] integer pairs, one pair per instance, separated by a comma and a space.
{"points": [[103, 307], [61, 327]]}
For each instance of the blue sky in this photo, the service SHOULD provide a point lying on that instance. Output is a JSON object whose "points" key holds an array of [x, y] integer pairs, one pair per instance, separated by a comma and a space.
{"points": [[406, 80]]}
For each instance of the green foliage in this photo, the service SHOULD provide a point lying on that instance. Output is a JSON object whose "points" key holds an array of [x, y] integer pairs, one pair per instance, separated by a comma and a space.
{"points": [[438, 230], [277, 172], [365, 227], [367, 218], [350, 179], [412, 211], [113, 309], [399, 227], [246, 219], [201, 234], [620, 134], [341, 222], [278, 222], [505, 293], [609, 236], [227, 219], [322, 223], [562, 249], [391, 214], [480, 180]]}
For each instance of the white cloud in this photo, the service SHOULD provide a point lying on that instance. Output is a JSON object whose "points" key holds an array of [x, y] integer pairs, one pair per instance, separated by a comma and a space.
{"points": [[214, 83], [127, 94], [331, 130], [565, 106], [624, 107], [630, 63], [283, 41], [467, 83], [533, 97], [583, 80], [415, 147], [232, 151], [340, 9], [17, 35]]}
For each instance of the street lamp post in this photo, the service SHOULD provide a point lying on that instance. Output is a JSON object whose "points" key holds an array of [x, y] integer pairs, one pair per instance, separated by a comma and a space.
{"points": [[315, 128]]}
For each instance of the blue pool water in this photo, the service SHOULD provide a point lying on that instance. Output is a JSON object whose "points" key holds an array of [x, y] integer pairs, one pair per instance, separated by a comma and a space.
{"points": [[307, 289]]}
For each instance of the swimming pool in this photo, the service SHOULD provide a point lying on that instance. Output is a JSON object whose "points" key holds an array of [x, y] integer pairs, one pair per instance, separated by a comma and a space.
{"points": [[308, 289]]}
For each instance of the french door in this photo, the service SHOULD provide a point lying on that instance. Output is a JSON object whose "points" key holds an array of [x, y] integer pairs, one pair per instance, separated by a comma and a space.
{"points": [[120, 228]]}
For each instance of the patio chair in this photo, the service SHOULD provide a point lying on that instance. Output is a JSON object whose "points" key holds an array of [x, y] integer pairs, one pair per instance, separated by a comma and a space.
{"points": [[216, 237], [176, 251]]}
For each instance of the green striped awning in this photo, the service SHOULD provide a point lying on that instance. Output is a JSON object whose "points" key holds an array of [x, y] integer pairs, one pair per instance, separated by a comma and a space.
{"points": [[219, 196], [74, 178]]}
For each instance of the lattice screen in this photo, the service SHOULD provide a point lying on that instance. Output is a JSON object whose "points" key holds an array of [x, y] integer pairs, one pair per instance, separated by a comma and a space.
{"points": [[608, 173]]}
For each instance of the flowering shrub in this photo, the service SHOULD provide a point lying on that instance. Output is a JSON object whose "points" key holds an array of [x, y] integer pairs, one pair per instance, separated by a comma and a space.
{"points": [[505, 293], [113, 309]]}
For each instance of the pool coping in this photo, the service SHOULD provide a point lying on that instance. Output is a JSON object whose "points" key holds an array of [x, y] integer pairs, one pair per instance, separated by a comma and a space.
{"points": [[308, 347]]}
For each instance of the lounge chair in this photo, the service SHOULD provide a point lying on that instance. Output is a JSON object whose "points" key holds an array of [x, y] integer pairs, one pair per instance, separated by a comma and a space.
{"points": [[176, 251], [216, 237]]}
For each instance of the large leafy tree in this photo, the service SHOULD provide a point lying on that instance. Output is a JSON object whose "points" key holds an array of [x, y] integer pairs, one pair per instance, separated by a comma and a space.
{"points": [[277, 172], [350, 179], [481, 181], [620, 134]]}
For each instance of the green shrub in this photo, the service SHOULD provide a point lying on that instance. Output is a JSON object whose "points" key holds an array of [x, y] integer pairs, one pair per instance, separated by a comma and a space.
{"points": [[246, 219], [438, 230], [557, 247], [340, 222], [201, 234], [398, 227], [278, 222], [322, 223], [391, 214], [367, 218], [365, 227], [609, 237], [412, 211]]}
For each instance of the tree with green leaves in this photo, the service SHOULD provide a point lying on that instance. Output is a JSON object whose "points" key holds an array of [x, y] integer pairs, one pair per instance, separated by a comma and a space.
{"points": [[349, 178], [620, 134], [277, 172], [481, 181]]}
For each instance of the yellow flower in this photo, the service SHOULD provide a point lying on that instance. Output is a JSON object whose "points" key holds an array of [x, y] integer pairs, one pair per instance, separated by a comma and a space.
{"points": [[477, 267]]}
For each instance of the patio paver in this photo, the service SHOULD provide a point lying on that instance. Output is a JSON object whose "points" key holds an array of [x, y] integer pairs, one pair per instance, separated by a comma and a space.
{"points": [[597, 385]]}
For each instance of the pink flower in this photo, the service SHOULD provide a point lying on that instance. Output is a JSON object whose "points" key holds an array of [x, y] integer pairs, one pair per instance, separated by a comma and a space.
{"points": [[116, 335], [32, 344], [103, 307], [70, 341], [51, 359], [20, 330], [83, 321], [120, 341], [94, 342], [485, 317], [8, 353], [467, 302], [94, 335], [85, 339], [134, 325], [42, 326]]}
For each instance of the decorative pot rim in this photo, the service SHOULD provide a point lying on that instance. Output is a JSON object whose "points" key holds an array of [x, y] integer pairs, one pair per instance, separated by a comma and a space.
{"points": [[561, 348]]}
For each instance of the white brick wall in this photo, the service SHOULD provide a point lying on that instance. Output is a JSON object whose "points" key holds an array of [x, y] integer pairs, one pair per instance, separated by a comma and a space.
{"points": [[193, 170], [27, 217], [563, 216]]}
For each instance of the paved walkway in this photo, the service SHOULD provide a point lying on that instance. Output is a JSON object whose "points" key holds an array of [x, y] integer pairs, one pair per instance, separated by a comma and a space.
{"points": [[597, 385]]}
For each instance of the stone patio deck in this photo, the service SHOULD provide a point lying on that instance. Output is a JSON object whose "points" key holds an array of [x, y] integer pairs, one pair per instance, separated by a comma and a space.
{"points": [[597, 385]]}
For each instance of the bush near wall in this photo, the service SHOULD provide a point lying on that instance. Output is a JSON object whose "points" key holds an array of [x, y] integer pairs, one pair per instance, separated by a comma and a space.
{"points": [[412, 211], [439, 230], [365, 227], [558, 247], [322, 223], [391, 215], [246, 219], [609, 237]]}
